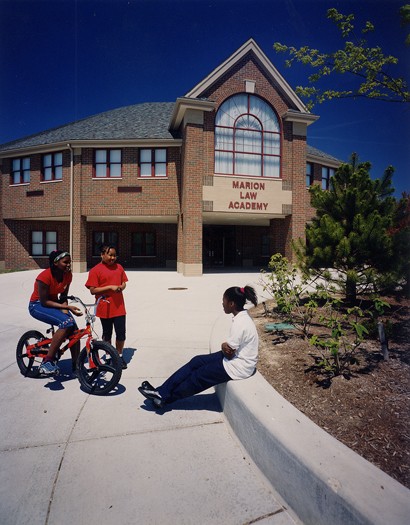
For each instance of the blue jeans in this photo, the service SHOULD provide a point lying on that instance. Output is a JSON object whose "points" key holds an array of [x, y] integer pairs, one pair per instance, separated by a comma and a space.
{"points": [[202, 372], [52, 316]]}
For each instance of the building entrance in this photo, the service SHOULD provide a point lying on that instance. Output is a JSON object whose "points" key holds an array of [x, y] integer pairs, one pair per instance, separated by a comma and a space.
{"points": [[219, 246]]}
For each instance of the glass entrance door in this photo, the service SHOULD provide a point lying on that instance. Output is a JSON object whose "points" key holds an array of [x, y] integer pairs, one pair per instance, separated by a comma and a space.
{"points": [[218, 246]]}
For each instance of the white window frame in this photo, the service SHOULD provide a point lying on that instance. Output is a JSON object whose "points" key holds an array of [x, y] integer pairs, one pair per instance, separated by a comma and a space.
{"points": [[247, 138]]}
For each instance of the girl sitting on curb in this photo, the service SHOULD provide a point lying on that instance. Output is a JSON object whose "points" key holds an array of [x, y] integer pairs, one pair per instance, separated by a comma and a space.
{"points": [[236, 360]]}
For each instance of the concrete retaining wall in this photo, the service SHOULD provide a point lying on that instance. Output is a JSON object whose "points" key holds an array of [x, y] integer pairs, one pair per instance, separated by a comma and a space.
{"points": [[322, 480]]}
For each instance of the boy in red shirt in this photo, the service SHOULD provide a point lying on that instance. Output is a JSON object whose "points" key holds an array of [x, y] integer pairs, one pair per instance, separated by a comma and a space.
{"points": [[108, 278]]}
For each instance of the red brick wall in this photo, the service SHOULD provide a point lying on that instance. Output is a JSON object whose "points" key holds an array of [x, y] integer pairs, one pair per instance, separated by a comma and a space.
{"points": [[157, 197], [234, 82], [18, 239], [18, 201], [194, 166]]}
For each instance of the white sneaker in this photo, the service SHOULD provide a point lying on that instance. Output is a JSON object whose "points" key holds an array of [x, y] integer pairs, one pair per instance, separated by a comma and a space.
{"points": [[49, 368]]}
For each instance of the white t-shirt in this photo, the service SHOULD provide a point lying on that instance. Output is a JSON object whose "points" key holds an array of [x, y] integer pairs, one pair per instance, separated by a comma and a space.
{"points": [[243, 337]]}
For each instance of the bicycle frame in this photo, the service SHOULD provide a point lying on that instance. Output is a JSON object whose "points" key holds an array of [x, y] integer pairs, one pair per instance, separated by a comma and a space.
{"points": [[98, 367], [37, 349]]}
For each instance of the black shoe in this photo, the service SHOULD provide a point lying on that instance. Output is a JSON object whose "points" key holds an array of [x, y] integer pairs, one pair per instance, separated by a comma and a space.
{"points": [[158, 403], [147, 385], [150, 393], [123, 363]]}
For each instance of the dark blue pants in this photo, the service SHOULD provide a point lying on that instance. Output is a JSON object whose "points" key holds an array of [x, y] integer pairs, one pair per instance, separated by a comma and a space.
{"points": [[202, 372]]}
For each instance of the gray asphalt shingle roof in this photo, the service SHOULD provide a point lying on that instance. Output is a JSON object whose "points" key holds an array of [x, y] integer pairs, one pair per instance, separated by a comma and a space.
{"points": [[149, 120], [139, 121], [318, 153]]}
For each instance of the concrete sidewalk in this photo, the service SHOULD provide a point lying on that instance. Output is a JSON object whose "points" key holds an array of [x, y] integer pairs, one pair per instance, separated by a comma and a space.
{"points": [[67, 457]]}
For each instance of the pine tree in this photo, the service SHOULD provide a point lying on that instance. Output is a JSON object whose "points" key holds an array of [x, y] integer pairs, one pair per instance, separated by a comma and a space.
{"points": [[400, 232], [350, 231]]}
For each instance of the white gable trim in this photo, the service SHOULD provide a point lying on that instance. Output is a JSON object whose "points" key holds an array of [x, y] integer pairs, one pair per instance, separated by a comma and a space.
{"points": [[250, 45]]}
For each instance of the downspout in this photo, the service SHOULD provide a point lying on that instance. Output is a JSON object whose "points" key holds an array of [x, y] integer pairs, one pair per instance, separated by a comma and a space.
{"points": [[71, 196]]}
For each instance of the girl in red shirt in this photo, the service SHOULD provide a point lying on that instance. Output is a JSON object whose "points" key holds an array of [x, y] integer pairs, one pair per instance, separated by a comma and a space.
{"points": [[108, 278], [48, 303]]}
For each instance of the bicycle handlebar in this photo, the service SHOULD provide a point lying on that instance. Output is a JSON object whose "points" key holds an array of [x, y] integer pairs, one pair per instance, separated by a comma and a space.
{"points": [[78, 300]]}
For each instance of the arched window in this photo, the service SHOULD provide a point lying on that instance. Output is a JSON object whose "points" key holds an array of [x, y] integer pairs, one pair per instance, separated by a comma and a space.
{"points": [[247, 138]]}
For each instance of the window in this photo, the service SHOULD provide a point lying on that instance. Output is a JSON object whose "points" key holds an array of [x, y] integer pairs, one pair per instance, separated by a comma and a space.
{"points": [[107, 163], [100, 238], [143, 244], [43, 243], [326, 174], [309, 174], [247, 138], [20, 171], [153, 163], [52, 167]]}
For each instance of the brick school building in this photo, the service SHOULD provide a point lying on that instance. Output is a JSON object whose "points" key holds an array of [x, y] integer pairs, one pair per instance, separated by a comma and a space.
{"points": [[216, 179]]}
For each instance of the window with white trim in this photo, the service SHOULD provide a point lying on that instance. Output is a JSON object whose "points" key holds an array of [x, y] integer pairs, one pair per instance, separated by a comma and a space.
{"points": [[52, 167], [20, 171], [43, 242], [247, 138], [153, 162], [107, 164]]}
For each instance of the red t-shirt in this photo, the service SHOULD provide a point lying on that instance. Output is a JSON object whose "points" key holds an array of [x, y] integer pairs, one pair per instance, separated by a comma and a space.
{"points": [[104, 275], [55, 288]]}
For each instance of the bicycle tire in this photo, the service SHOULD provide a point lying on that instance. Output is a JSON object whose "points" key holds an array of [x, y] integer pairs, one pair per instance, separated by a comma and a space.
{"points": [[29, 366], [100, 374]]}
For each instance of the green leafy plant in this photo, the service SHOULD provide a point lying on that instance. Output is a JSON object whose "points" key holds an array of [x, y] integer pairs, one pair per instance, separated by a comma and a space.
{"points": [[303, 301], [296, 295], [338, 347]]}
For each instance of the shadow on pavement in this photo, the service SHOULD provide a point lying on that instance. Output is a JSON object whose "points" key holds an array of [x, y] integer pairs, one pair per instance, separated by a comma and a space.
{"points": [[208, 402]]}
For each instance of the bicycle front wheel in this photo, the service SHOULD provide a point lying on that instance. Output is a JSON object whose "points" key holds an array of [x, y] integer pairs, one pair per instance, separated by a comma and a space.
{"points": [[29, 366], [99, 371]]}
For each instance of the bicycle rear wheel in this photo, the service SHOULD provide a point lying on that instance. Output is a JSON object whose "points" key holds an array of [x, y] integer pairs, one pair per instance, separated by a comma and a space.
{"points": [[99, 372], [29, 366]]}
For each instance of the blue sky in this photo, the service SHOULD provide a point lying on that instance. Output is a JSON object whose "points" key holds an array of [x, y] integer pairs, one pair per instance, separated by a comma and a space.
{"points": [[64, 60]]}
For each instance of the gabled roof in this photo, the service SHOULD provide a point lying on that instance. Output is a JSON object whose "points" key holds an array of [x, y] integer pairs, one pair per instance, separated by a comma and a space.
{"points": [[249, 46], [140, 121]]}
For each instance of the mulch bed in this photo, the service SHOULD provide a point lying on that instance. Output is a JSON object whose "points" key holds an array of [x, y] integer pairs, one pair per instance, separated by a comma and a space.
{"points": [[369, 410]]}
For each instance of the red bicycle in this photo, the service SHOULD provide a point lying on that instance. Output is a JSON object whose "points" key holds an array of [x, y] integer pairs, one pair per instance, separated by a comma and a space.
{"points": [[99, 364]]}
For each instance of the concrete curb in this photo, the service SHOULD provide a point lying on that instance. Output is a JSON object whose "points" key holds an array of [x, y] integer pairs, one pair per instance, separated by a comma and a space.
{"points": [[322, 480]]}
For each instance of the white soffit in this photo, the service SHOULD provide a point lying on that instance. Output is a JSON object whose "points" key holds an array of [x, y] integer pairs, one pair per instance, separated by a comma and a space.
{"points": [[250, 45]]}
